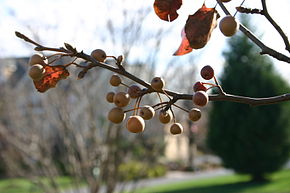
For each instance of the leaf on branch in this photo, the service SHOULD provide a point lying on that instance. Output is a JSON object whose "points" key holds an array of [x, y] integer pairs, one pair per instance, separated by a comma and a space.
{"points": [[52, 75], [184, 47], [199, 26], [166, 9], [198, 29]]}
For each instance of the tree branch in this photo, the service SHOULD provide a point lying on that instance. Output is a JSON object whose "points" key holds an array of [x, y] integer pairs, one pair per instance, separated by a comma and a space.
{"points": [[222, 96], [265, 49], [275, 25]]}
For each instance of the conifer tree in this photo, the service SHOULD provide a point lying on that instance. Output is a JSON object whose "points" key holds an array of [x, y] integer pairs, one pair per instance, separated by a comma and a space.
{"points": [[252, 140]]}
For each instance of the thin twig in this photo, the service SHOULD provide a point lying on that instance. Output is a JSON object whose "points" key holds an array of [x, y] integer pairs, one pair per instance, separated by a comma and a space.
{"points": [[240, 6], [176, 96], [181, 108], [275, 25], [257, 41]]}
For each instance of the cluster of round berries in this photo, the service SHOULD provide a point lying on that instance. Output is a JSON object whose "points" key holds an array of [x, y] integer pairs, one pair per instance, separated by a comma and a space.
{"points": [[200, 97], [136, 122], [228, 25], [37, 63]]}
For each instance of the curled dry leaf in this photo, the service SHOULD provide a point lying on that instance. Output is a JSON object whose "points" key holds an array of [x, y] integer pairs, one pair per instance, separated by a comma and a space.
{"points": [[199, 26], [166, 9], [52, 75], [184, 47], [197, 30]]}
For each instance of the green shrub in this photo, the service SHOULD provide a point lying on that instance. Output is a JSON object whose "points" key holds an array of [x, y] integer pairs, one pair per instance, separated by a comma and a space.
{"points": [[135, 170]]}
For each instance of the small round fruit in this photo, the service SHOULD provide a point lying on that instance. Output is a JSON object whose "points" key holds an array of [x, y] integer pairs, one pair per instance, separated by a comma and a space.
{"points": [[200, 98], [121, 99], [36, 71], [37, 59], [176, 128], [194, 114], [135, 124], [116, 115], [207, 72], [99, 54], [165, 117], [226, 1], [134, 91], [229, 25], [157, 83], [110, 97], [147, 112], [199, 86], [115, 80]]}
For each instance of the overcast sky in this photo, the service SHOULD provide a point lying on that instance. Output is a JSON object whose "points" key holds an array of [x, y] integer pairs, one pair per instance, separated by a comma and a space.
{"points": [[78, 21]]}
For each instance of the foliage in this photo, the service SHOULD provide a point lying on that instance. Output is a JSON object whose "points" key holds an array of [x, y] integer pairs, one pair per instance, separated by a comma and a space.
{"points": [[252, 140], [136, 170]]}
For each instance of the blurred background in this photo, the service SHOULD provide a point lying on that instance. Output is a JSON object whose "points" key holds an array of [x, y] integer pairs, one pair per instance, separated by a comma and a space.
{"points": [[61, 141]]}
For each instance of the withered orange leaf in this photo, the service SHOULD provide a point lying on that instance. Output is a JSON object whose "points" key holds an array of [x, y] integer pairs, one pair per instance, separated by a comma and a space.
{"points": [[166, 9], [52, 75], [199, 26], [184, 47]]}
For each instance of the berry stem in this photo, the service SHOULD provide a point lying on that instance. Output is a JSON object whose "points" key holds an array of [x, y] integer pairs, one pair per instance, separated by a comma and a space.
{"points": [[181, 108], [112, 57], [166, 94], [129, 110], [160, 107], [57, 54], [138, 103], [173, 115], [218, 86], [237, 10], [159, 97], [213, 85], [124, 84], [72, 62], [163, 103], [135, 106]]}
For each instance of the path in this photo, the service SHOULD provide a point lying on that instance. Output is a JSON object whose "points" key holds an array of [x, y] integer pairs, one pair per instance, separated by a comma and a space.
{"points": [[170, 177]]}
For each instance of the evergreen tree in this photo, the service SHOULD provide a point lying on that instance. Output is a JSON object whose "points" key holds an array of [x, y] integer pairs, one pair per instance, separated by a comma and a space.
{"points": [[252, 140]]}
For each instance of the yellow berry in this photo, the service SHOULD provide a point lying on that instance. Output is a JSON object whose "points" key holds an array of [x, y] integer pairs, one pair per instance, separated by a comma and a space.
{"points": [[99, 54], [157, 83], [115, 80], [116, 115], [134, 91], [121, 99], [176, 128], [37, 59], [147, 112], [229, 25], [110, 97], [200, 98], [194, 114], [36, 72], [165, 117], [135, 124]]}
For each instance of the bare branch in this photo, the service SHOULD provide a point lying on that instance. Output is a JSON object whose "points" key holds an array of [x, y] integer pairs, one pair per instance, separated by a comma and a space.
{"points": [[251, 101], [265, 49], [176, 96], [275, 25]]}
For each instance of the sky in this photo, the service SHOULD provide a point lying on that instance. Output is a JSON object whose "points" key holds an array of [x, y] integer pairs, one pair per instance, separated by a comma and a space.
{"points": [[82, 24]]}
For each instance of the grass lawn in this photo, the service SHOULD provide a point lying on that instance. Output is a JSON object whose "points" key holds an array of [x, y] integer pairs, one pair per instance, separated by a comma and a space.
{"points": [[25, 186], [280, 183]]}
